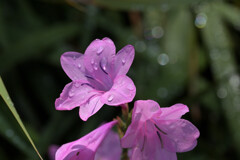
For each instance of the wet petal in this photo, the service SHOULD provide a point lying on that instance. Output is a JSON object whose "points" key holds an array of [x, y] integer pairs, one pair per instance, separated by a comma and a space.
{"points": [[110, 143], [147, 109], [90, 108], [85, 147], [174, 112], [124, 59], [153, 150], [122, 91], [74, 94], [99, 60], [134, 135], [181, 135], [72, 64]]}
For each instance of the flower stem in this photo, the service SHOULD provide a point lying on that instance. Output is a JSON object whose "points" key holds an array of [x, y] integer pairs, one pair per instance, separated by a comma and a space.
{"points": [[123, 127], [125, 111]]}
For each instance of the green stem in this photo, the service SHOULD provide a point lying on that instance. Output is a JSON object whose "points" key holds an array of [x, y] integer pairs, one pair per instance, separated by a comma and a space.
{"points": [[122, 127]]}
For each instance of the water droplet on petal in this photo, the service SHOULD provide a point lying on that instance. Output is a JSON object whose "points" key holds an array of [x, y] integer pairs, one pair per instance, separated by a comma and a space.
{"points": [[71, 93], [79, 65], [104, 63], [123, 61], [95, 66], [110, 98], [92, 61], [99, 50]]}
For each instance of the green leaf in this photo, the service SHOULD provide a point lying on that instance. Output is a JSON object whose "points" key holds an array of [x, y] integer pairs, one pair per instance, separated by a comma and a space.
{"points": [[224, 69], [8, 101], [229, 12]]}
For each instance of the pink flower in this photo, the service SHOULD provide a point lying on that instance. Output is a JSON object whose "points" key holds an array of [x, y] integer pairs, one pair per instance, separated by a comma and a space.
{"points": [[158, 133], [110, 148], [93, 146], [98, 78]]}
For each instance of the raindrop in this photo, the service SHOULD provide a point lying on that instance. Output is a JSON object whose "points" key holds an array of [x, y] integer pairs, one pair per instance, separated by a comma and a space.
{"points": [[201, 20], [157, 32], [110, 98], [95, 66], [92, 61], [99, 50], [79, 65], [222, 93], [104, 63], [163, 59], [123, 61], [71, 93]]}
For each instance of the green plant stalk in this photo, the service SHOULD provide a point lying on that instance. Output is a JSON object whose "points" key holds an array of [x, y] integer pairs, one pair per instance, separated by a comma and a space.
{"points": [[8, 101]]}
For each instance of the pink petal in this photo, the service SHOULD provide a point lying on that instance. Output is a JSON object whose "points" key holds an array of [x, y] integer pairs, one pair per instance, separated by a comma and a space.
{"points": [[99, 60], [164, 154], [72, 64], [181, 135], [90, 108], [174, 112], [74, 94], [152, 149], [85, 147], [122, 91], [134, 135], [124, 59], [146, 108], [110, 143]]}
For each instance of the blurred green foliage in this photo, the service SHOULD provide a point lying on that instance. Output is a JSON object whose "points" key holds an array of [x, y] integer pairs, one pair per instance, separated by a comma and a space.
{"points": [[186, 52]]}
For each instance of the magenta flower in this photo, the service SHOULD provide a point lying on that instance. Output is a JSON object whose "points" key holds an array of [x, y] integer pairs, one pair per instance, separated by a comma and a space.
{"points": [[158, 133], [98, 78], [110, 148], [86, 147]]}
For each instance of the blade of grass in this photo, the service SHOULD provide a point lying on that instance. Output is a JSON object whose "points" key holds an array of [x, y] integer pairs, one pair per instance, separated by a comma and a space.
{"points": [[8, 101]]}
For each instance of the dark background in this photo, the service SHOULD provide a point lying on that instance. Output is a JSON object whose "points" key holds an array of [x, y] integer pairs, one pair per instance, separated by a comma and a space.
{"points": [[186, 52]]}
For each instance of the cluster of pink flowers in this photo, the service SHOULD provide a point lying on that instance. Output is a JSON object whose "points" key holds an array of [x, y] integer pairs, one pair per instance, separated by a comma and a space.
{"points": [[99, 77]]}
